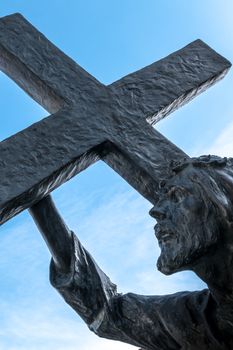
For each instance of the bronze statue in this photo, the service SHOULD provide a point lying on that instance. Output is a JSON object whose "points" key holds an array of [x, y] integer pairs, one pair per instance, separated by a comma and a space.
{"points": [[195, 232], [192, 198]]}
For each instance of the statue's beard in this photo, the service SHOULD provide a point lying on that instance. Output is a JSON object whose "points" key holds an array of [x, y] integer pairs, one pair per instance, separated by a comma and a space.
{"points": [[176, 249], [182, 248], [179, 254], [172, 258]]}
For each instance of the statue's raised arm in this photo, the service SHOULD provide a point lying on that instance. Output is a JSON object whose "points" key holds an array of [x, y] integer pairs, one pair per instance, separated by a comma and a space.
{"points": [[194, 229], [86, 288]]}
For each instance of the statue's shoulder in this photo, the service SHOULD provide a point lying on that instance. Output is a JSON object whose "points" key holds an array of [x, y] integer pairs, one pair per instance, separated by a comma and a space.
{"points": [[167, 307], [194, 298], [172, 319]]}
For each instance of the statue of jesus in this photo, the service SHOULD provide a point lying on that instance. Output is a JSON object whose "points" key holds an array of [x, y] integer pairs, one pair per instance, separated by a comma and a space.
{"points": [[194, 229]]}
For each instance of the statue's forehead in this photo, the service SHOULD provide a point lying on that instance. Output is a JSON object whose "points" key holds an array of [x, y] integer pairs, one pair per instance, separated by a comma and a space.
{"points": [[182, 179]]}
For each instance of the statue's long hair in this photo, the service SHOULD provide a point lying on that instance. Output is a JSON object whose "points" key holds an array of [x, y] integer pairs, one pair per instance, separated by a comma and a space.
{"points": [[214, 177]]}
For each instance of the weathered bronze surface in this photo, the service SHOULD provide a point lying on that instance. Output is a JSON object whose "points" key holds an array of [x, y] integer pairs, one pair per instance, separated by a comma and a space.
{"points": [[91, 121], [192, 197]]}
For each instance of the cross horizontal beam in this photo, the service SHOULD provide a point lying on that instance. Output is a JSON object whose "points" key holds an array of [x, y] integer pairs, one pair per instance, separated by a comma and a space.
{"points": [[160, 88], [50, 77], [92, 121], [42, 70]]}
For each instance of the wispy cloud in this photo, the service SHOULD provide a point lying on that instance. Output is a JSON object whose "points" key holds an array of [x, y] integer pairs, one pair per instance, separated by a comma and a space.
{"points": [[42, 330], [223, 145]]}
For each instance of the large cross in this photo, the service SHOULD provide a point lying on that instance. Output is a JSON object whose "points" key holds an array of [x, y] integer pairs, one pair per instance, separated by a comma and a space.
{"points": [[89, 120]]}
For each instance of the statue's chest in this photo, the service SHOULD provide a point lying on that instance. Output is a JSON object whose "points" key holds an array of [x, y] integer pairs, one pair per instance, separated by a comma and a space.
{"points": [[224, 317]]}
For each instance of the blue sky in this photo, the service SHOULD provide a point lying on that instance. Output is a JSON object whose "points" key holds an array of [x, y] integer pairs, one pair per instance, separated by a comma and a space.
{"points": [[109, 39]]}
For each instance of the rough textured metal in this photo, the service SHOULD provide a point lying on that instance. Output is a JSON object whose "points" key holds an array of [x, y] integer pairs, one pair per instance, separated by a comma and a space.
{"points": [[90, 120], [193, 205]]}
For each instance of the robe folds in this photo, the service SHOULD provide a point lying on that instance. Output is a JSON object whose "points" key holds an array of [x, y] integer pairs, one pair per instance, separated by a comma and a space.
{"points": [[184, 320]]}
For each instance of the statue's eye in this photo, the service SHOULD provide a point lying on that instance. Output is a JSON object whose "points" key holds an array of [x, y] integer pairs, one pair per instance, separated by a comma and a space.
{"points": [[176, 193]]}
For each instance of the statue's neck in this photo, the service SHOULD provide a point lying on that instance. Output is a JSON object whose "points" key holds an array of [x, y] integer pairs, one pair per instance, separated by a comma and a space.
{"points": [[216, 271]]}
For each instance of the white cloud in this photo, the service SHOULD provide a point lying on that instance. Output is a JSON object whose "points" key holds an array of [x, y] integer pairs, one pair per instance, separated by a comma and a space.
{"points": [[223, 145], [154, 283], [44, 329]]}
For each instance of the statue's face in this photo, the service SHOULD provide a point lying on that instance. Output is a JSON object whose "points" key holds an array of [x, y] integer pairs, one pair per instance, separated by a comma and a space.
{"points": [[186, 226]]}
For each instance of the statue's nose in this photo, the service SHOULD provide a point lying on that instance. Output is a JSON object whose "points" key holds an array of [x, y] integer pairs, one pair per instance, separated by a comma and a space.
{"points": [[157, 213]]}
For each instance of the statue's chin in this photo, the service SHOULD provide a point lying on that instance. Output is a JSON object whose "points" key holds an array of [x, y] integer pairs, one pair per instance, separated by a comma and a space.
{"points": [[164, 267], [168, 267]]}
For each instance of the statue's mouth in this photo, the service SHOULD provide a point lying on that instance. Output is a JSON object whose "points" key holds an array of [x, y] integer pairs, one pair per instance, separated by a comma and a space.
{"points": [[163, 235]]}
